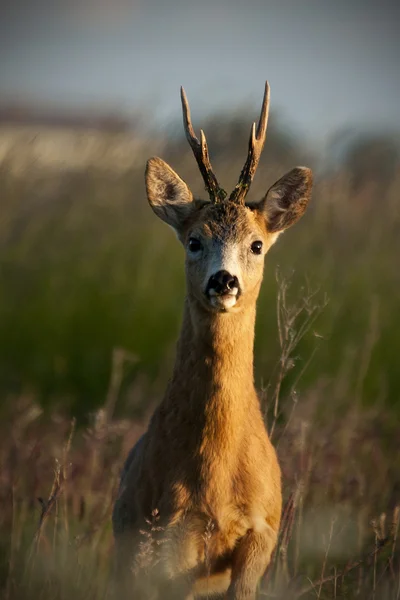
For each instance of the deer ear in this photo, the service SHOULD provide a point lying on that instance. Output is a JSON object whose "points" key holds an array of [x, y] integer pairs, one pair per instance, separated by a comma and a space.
{"points": [[286, 201], [168, 195]]}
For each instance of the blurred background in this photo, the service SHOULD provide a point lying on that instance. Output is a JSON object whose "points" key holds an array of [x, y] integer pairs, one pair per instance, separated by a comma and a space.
{"points": [[92, 285]]}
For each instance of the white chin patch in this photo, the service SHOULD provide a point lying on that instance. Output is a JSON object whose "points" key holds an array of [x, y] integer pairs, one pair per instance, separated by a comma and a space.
{"points": [[224, 302]]}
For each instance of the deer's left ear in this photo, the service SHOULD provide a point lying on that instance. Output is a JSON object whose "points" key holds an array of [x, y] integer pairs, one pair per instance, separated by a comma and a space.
{"points": [[286, 201]]}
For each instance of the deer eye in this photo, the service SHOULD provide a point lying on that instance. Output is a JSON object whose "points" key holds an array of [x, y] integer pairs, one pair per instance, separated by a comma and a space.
{"points": [[256, 247], [194, 245]]}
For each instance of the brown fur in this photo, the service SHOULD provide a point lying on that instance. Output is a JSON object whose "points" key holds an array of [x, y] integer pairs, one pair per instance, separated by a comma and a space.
{"points": [[206, 462]]}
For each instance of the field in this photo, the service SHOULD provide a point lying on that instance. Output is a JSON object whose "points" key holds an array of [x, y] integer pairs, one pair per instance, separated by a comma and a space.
{"points": [[91, 289]]}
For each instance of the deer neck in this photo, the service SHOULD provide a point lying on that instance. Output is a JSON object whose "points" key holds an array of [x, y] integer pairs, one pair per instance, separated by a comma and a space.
{"points": [[213, 372], [211, 400]]}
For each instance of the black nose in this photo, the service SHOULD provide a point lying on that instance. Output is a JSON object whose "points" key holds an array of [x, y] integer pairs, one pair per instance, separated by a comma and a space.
{"points": [[222, 282]]}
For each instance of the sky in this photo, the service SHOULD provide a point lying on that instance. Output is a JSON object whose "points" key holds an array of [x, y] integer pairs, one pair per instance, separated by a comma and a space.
{"points": [[330, 63]]}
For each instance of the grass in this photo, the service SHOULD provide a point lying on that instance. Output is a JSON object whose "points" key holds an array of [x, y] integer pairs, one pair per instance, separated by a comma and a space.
{"points": [[341, 480], [86, 346], [83, 258]]}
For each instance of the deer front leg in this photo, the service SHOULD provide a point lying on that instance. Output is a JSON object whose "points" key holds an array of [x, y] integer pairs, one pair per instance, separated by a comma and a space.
{"points": [[251, 559]]}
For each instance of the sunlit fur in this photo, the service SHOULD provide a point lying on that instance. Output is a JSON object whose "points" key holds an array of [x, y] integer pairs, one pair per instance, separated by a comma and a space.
{"points": [[206, 462]]}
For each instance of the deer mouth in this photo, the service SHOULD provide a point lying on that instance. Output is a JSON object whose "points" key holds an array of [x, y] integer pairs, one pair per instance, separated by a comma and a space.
{"points": [[225, 300]]}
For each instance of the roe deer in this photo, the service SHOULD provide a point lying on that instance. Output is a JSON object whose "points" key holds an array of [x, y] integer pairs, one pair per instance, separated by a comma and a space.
{"points": [[206, 465]]}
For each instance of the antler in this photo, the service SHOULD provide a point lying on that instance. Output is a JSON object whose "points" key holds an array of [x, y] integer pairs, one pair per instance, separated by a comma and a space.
{"points": [[256, 145], [200, 151]]}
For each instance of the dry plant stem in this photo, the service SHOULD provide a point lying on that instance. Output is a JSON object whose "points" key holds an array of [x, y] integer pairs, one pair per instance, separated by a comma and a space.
{"points": [[360, 580], [378, 527], [335, 583], [55, 527], [341, 574], [104, 415], [148, 555], [95, 526], [119, 358], [398, 587], [370, 342], [305, 473], [303, 370], [395, 532], [12, 546], [326, 557], [374, 576], [293, 396], [66, 451], [294, 321], [48, 505], [298, 528]]}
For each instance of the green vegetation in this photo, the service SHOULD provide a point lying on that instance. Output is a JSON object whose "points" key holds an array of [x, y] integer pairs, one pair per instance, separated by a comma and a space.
{"points": [[85, 268]]}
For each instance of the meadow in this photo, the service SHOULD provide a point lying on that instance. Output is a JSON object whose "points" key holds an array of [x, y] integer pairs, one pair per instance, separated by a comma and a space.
{"points": [[91, 290]]}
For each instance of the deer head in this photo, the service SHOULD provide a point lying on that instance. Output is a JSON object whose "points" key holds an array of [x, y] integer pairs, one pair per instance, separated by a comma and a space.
{"points": [[226, 238]]}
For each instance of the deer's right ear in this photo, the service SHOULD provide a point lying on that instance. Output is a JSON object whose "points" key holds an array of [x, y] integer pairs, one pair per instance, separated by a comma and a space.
{"points": [[168, 194]]}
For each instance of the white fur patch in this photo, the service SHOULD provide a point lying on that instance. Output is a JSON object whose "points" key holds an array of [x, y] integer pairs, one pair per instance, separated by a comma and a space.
{"points": [[226, 301], [225, 258]]}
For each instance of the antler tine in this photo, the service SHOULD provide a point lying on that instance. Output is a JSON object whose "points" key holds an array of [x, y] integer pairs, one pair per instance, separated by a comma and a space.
{"points": [[200, 151], [256, 145]]}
